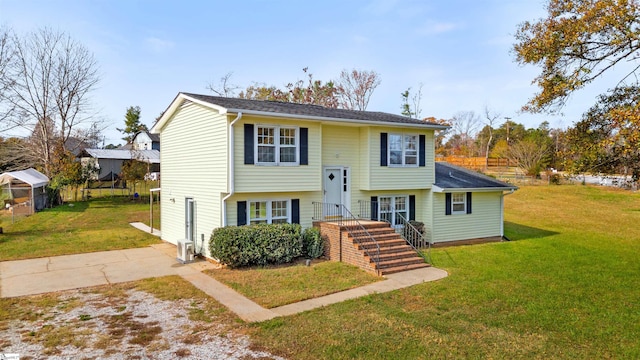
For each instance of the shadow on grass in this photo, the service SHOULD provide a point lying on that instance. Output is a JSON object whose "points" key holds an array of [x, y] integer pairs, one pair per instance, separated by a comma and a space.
{"points": [[522, 232]]}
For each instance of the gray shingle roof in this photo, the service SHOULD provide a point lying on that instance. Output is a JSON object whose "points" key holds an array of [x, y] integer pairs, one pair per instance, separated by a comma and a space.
{"points": [[453, 177], [278, 107], [150, 156]]}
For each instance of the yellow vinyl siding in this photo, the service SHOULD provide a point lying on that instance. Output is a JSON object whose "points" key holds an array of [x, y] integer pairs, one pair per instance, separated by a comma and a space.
{"points": [[484, 221], [194, 164], [397, 178], [267, 178]]}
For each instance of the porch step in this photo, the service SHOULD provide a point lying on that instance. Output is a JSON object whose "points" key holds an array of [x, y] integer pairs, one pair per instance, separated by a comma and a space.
{"points": [[408, 254], [368, 244], [399, 268]]}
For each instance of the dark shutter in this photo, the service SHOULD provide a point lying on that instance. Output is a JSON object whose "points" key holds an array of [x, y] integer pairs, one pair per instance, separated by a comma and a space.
{"points": [[469, 203], [383, 149], [304, 146], [248, 144], [374, 208], [412, 207], [295, 211], [242, 213], [422, 153], [447, 204]]}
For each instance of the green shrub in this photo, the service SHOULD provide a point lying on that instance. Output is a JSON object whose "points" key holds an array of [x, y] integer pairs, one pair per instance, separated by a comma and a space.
{"points": [[555, 179], [259, 244], [312, 243]]}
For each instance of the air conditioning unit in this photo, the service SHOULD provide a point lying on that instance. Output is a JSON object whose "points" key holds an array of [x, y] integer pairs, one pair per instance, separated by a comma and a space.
{"points": [[185, 251]]}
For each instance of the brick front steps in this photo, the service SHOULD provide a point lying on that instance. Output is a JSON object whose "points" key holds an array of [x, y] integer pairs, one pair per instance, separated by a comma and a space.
{"points": [[394, 253]]}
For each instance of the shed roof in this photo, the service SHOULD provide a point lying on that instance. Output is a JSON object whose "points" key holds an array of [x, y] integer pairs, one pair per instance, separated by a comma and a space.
{"points": [[151, 156], [450, 177], [291, 110], [29, 176]]}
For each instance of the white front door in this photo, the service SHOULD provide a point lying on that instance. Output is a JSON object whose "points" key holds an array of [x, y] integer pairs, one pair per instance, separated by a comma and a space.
{"points": [[189, 223], [336, 184]]}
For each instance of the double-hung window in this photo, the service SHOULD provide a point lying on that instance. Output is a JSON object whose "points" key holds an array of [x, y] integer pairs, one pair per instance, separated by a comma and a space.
{"points": [[403, 150], [458, 203], [277, 145], [269, 212]]}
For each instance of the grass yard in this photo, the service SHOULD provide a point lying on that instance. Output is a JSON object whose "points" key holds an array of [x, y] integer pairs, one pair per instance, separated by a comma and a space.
{"points": [[281, 285], [78, 227], [566, 287]]}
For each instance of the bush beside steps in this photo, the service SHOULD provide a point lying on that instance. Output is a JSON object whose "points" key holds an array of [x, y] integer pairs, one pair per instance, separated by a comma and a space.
{"points": [[262, 244]]}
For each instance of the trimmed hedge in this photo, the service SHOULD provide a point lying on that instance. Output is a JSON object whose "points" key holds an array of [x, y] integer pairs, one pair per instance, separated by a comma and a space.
{"points": [[259, 244], [312, 243]]}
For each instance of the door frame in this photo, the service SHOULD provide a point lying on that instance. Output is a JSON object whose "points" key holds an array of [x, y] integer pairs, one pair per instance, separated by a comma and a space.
{"points": [[345, 184], [190, 218]]}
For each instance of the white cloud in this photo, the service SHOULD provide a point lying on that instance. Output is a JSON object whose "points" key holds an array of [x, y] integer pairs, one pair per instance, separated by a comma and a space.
{"points": [[435, 28], [158, 45]]}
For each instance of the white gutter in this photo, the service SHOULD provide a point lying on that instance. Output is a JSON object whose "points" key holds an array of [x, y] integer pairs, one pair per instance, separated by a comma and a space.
{"points": [[502, 211], [437, 189], [232, 169]]}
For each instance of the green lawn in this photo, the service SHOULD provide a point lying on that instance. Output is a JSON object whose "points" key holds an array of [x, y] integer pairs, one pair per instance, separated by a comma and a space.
{"points": [[567, 286], [95, 225], [275, 286]]}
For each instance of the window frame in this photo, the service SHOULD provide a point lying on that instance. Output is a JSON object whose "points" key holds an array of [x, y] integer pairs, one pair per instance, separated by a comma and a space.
{"points": [[269, 211], [405, 152], [454, 203], [391, 211], [277, 145]]}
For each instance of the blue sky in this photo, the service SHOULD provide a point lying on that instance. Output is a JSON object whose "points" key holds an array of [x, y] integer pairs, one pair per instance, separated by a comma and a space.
{"points": [[148, 51]]}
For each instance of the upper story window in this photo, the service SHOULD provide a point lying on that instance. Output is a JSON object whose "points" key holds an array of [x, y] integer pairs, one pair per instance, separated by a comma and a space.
{"points": [[276, 145], [403, 150]]}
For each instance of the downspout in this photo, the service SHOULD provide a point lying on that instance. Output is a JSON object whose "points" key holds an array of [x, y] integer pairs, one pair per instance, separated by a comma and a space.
{"points": [[231, 176], [502, 214]]}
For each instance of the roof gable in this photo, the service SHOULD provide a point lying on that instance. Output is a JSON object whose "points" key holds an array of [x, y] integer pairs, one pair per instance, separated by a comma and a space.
{"points": [[453, 177], [291, 110]]}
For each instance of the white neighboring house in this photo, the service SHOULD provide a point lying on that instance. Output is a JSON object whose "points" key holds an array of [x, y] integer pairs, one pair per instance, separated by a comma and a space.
{"points": [[143, 140], [109, 161]]}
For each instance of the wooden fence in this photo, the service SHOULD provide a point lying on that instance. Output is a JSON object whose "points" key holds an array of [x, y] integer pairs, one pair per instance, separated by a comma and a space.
{"points": [[477, 163]]}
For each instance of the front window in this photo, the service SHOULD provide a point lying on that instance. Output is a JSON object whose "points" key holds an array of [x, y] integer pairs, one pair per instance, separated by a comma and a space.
{"points": [[269, 212], [393, 209], [403, 150], [458, 203], [277, 145]]}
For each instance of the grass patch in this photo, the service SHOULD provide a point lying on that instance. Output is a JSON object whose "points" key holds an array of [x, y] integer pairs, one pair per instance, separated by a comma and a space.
{"points": [[275, 286], [80, 227], [565, 288]]}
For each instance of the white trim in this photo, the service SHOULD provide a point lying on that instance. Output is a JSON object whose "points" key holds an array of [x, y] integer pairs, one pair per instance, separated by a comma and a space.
{"points": [[437, 189], [276, 139], [464, 202], [393, 207], [269, 203], [403, 149]]}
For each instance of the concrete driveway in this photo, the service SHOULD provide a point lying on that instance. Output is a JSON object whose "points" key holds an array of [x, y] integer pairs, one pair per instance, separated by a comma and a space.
{"points": [[37, 276]]}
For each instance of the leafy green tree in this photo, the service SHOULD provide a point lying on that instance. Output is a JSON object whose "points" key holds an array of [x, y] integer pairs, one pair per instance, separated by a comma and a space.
{"points": [[578, 41], [134, 171], [607, 139], [132, 124]]}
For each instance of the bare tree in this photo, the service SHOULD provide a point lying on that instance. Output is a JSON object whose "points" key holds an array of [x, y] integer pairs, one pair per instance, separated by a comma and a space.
{"points": [[491, 117], [47, 84], [355, 88], [412, 109], [529, 155], [224, 87], [464, 126]]}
